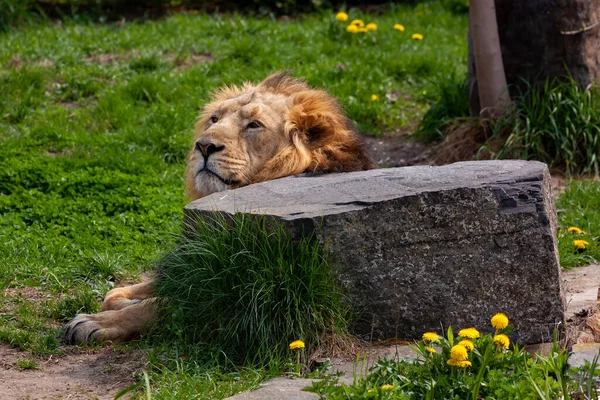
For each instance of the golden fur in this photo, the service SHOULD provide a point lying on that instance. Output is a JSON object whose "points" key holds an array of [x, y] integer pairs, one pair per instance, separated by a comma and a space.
{"points": [[247, 134], [299, 129]]}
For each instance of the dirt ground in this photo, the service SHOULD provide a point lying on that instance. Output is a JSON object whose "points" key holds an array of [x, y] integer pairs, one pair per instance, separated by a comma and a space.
{"points": [[87, 374], [396, 151], [101, 373]]}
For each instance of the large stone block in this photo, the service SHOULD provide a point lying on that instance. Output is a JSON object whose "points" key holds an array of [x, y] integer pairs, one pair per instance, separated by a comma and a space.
{"points": [[421, 248]]}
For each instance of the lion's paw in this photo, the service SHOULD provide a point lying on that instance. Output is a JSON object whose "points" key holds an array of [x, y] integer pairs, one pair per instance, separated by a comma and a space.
{"points": [[88, 328], [111, 326]]}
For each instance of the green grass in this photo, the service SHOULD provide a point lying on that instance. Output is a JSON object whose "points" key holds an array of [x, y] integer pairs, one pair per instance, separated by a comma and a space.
{"points": [[245, 286], [96, 121], [579, 206], [558, 124], [189, 372], [485, 370], [95, 124], [27, 364], [450, 102]]}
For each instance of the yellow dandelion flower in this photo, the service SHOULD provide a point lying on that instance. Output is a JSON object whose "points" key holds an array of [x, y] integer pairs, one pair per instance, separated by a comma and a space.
{"points": [[371, 26], [387, 387], [574, 229], [341, 16], [399, 27], [499, 321], [297, 344], [459, 353], [502, 340], [467, 344], [352, 28], [460, 364], [417, 36], [469, 333], [358, 22], [362, 30], [580, 244], [430, 350], [371, 391], [374, 97], [431, 337]]}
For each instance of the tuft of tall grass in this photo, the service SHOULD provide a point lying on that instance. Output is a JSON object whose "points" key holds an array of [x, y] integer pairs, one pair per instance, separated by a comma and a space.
{"points": [[451, 102], [558, 124], [14, 12], [243, 285]]}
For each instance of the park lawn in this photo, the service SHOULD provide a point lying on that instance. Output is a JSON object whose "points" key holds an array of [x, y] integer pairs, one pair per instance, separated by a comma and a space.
{"points": [[96, 121]]}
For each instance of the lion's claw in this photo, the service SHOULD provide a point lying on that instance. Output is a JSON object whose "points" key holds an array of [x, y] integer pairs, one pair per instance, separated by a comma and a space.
{"points": [[84, 328]]}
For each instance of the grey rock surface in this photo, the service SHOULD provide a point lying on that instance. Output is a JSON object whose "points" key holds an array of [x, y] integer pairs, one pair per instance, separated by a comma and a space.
{"points": [[420, 248], [581, 285], [279, 389], [582, 352]]}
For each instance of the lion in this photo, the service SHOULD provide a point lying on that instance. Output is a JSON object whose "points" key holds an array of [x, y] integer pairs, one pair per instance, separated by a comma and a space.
{"points": [[245, 135]]}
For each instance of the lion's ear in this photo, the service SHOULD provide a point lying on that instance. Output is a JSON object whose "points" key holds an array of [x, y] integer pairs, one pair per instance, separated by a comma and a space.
{"points": [[314, 129], [282, 82], [275, 80], [317, 119]]}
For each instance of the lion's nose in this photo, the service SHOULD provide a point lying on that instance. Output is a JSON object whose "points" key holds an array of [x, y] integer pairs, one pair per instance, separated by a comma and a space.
{"points": [[207, 147]]}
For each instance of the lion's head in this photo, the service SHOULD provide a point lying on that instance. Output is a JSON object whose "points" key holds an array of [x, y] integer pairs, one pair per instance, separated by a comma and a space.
{"points": [[277, 128]]}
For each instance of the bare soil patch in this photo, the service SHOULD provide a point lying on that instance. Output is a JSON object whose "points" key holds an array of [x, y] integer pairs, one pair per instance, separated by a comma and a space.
{"points": [[178, 60], [397, 151], [10, 297], [109, 58], [90, 374], [190, 60], [17, 62], [400, 150]]}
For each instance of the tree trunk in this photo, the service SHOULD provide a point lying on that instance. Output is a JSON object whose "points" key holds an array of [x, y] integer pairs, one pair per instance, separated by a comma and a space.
{"points": [[543, 39], [491, 81]]}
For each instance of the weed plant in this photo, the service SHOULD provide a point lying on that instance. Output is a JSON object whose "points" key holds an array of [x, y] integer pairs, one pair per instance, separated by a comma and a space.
{"points": [[243, 285], [558, 124], [578, 211], [471, 366]]}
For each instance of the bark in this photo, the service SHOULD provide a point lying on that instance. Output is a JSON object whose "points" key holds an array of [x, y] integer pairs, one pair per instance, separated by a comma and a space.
{"points": [[543, 39], [491, 81]]}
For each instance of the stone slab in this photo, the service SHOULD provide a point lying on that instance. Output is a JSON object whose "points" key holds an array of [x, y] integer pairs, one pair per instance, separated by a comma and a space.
{"points": [[420, 248], [582, 352], [581, 285], [279, 389], [358, 368], [282, 388]]}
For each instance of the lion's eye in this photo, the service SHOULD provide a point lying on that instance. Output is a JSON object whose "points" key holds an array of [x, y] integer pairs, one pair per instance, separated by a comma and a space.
{"points": [[254, 125], [213, 119]]}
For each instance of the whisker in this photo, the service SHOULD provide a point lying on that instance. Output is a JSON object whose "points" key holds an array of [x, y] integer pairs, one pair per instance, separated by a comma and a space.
{"points": [[233, 161]]}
